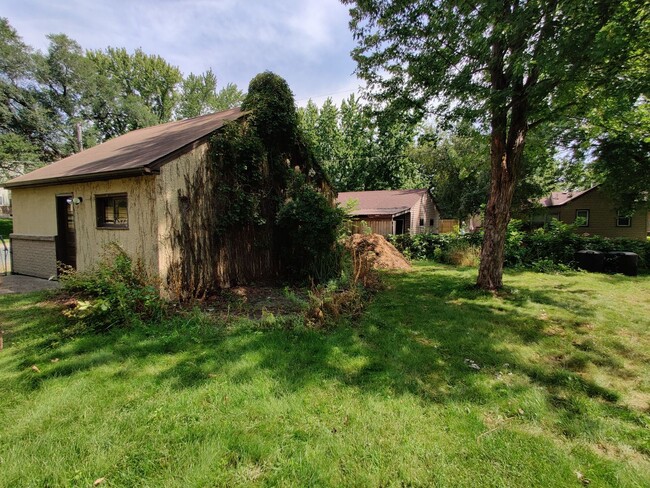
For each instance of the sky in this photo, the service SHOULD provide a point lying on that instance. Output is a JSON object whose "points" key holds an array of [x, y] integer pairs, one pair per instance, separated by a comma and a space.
{"points": [[305, 41]]}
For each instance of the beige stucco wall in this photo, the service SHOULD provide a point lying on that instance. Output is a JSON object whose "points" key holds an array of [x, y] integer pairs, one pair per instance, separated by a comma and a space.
{"points": [[172, 182], [602, 216], [34, 211]]}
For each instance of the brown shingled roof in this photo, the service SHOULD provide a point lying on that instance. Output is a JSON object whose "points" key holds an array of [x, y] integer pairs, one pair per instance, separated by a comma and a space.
{"points": [[561, 197], [137, 152], [381, 202]]}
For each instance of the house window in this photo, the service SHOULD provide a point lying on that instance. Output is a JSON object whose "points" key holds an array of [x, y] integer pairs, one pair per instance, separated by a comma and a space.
{"points": [[431, 222], [421, 222], [623, 220], [112, 211], [584, 216]]}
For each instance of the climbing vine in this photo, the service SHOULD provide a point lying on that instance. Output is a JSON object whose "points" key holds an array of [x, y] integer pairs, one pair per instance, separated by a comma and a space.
{"points": [[269, 206], [239, 161]]}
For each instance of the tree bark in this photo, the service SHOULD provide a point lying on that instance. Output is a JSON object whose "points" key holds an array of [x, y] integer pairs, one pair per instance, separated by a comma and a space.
{"points": [[509, 124], [506, 154]]}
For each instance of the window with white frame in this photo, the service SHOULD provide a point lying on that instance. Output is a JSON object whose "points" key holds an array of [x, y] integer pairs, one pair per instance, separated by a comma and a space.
{"points": [[623, 220], [582, 216]]}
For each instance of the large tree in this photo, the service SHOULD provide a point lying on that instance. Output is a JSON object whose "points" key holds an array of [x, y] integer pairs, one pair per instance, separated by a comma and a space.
{"points": [[22, 119], [359, 149], [199, 96], [516, 63], [455, 165]]}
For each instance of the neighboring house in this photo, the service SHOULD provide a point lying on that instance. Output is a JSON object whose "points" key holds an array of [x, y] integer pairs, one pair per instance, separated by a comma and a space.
{"points": [[138, 190], [394, 211], [5, 202], [598, 212]]}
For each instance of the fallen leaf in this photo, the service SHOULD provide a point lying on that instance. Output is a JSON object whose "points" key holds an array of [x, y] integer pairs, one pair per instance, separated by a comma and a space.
{"points": [[98, 481], [582, 479], [55, 360], [35, 368]]}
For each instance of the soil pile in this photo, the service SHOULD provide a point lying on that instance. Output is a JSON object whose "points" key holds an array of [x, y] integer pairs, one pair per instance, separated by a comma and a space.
{"points": [[381, 253]]}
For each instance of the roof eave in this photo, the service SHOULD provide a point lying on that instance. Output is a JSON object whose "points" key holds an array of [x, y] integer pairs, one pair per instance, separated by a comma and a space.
{"points": [[101, 176]]}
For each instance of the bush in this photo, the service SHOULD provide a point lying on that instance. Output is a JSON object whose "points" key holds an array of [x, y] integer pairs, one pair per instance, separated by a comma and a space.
{"points": [[345, 296], [549, 250], [116, 293], [432, 246], [309, 227], [462, 253]]}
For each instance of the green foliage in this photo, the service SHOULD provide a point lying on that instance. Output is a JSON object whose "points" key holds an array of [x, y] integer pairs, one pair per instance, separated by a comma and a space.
{"points": [[148, 77], [274, 112], [228, 97], [199, 96], [267, 181], [238, 158], [456, 167], [116, 293], [310, 226], [359, 149], [628, 183], [6, 227], [461, 253], [543, 250]]}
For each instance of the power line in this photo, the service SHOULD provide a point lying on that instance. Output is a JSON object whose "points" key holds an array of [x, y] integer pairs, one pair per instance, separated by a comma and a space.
{"points": [[326, 95]]}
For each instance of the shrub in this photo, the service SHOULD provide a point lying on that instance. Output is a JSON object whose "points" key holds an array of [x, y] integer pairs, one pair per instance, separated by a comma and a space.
{"points": [[345, 296], [551, 249], [462, 253], [309, 227], [116, 293]]}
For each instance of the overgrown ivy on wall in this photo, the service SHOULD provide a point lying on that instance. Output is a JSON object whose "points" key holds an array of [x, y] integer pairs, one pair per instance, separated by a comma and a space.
{"points": [[271, 213]]}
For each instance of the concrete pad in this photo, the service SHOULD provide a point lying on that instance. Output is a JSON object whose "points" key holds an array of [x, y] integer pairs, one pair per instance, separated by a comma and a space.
{"points": [[25, 284]]}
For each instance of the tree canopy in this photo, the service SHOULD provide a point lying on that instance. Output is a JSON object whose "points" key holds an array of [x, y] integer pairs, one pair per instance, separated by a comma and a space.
{"points": [[65, 99], [360, 149], [515, 64]]}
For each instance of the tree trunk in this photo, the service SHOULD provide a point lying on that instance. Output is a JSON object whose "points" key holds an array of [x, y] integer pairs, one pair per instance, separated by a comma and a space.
{"points": [[497, 216], [506, 154]]}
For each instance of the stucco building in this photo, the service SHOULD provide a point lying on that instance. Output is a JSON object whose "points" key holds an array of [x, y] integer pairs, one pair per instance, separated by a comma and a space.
{"points": [[132, 190]]}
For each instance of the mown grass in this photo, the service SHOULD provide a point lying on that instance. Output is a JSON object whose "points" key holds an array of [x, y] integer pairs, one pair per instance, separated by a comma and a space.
{"points": [[438, 385]]}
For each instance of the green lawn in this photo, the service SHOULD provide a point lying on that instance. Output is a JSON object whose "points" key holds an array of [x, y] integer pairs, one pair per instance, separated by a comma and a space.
{"points": [[437, 385]]}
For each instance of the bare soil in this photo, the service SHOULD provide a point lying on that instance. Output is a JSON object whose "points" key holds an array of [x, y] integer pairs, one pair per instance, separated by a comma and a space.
{"points": [[255, 301]]}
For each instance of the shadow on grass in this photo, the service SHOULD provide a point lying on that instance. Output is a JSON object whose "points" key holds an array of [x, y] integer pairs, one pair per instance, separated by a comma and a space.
{"points": [[430, 335]]}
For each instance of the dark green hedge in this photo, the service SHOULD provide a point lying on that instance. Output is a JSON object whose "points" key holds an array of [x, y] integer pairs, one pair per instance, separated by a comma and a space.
{"points": [[6, 226], [558, 245]]}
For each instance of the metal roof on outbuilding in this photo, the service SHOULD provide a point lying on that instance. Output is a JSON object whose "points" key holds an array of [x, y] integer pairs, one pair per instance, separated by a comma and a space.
{"points": [[137, 152]]}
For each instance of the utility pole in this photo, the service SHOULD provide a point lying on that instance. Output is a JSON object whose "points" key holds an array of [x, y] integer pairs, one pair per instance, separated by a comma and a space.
{"points": [[80, 144]]}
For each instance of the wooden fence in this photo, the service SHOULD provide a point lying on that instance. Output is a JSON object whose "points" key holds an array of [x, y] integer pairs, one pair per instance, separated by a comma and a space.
{"points": [[448, 225]]}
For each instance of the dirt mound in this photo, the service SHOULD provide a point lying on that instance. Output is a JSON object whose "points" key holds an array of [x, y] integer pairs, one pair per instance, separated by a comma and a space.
{"points": [[379, 251]]}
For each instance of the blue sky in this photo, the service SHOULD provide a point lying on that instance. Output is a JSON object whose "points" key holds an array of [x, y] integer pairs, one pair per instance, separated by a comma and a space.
{"points": [[307, 42]]}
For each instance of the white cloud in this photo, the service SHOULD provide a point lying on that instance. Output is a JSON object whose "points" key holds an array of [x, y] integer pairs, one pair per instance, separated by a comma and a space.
{"points": [[307, 41]]}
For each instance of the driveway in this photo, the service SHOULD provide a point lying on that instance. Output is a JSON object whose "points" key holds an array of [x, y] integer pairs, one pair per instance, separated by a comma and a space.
{"points": [[25, 284]]}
